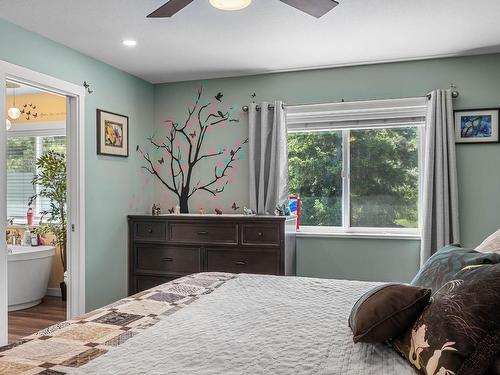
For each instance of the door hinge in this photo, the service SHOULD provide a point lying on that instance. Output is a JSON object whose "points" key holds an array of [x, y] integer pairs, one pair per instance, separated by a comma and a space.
{"points": [[72, 227]]}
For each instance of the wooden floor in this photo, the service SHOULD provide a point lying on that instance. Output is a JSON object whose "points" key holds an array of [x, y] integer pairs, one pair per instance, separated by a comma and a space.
{"points": [[26, 322]]}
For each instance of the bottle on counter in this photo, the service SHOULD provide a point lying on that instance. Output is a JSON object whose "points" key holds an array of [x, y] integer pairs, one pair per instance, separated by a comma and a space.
{"points": [[34, 238], [27, 237], [29, 217]]}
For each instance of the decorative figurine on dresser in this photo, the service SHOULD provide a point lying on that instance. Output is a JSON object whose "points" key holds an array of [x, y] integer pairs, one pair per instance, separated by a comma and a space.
{"points": [[166, 247]]}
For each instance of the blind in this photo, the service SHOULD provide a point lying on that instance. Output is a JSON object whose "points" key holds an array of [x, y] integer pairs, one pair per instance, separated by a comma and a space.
{"points": [[358, 115], [22, 153]]}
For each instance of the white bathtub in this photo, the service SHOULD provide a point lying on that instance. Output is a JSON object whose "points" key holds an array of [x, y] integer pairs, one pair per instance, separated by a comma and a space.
{"points": [[28, 275]]}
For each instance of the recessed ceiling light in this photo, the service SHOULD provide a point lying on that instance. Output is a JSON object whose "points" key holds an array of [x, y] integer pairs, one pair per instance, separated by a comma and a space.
{"points": [[230, 4], [129, 43]]}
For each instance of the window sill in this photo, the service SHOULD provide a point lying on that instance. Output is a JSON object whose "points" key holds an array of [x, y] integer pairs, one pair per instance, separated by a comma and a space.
{"points": [[318, 232], [19, 224]]}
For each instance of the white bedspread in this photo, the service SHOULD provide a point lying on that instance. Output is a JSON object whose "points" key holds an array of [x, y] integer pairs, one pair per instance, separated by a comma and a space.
{"points": [[256, 325]]}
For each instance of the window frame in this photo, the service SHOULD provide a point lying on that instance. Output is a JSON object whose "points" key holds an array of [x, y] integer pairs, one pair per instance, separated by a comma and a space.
{"points": [[36, 130], [362, 115]]}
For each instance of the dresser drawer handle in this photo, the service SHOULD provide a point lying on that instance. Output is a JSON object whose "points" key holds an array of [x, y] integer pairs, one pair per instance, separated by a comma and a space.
{"points": [[260, 234], [167, 260], [202, 233], [240, 263], [150, 230]]}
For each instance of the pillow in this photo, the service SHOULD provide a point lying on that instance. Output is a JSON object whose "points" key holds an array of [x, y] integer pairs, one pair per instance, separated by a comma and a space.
{"points": [[495, 369], [490, 244], [443, 265], [386, 311], [459, 332]]}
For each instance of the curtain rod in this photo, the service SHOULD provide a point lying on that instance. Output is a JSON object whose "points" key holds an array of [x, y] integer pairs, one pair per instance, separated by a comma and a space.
{"points": [[454, 94]]}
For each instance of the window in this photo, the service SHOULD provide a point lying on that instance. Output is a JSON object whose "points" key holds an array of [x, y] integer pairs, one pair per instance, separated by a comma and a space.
{"points": [[22, 152], [315, 175], [356, 175]]}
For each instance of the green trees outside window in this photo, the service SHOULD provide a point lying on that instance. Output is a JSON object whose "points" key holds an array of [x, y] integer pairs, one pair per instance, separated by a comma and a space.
{"points": [[382, 174]]}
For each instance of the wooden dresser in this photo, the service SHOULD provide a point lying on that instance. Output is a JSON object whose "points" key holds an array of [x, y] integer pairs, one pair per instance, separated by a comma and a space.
{"points": [[163, 248]]}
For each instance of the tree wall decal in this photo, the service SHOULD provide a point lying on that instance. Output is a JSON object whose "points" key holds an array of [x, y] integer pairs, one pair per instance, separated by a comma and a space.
{"points": [[182, 151]]}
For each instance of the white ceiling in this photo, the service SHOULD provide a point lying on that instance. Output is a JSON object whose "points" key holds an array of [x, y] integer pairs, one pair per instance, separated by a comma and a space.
{"points": [[24, 90], [201, 42]]}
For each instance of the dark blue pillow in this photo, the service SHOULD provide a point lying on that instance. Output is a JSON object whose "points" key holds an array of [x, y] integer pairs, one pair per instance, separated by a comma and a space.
{"points": [[444, 265]]}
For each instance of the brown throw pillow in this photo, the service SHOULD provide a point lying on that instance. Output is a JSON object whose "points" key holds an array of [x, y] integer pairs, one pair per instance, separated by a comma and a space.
{"points": [[459, 332], [386, 311]]}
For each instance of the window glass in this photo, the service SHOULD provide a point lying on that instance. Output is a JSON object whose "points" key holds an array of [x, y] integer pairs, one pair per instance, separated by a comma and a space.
{"points": [[22, 153], [382, 175], [20, 171], [315, 175], [384, 178]]}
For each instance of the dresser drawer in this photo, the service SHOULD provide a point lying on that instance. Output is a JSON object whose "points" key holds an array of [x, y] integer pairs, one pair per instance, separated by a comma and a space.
{"points": [[204, 233], [260, 234], [141, 283], [241, 261], [166, 259], [150, 231]]}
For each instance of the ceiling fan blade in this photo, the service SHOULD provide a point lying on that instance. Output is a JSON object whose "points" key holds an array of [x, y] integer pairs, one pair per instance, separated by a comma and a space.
{"points": [[170, 8], [316, 8]]}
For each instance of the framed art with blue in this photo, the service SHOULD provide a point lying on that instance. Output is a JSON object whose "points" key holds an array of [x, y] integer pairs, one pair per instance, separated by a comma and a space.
{"points": [[477, 126]]}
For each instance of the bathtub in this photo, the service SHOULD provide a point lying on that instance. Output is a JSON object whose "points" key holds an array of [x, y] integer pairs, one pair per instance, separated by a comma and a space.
{"points": [[28, 275]]}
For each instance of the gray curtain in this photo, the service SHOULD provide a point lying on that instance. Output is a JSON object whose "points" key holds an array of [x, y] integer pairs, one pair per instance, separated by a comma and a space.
{"points": [[440, 224], [268, 157]]}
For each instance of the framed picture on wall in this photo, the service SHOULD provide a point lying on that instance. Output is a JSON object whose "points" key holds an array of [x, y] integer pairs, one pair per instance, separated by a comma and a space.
{"points": [[476, 126], [112, 134]]}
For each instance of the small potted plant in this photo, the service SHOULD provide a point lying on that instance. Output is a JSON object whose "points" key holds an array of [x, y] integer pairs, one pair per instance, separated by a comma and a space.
{"points": [[50, 181]]}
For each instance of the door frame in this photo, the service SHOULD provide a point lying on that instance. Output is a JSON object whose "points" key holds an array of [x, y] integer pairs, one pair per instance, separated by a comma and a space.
{"points": [[75, 132]]}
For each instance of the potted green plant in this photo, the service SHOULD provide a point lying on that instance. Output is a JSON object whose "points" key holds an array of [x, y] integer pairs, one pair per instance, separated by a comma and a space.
{"points": [[50, 183]]}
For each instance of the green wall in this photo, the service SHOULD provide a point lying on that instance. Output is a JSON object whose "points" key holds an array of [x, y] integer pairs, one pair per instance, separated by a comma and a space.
{"points": [[478, 79], [358, 259], [110, 182]]}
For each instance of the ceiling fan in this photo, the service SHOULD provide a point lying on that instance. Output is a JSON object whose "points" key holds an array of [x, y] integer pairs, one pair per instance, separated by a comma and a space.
{"points": [[316, 8]]}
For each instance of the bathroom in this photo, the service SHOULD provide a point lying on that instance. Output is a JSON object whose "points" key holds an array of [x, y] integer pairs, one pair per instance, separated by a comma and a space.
{"points": [[36, 208]]}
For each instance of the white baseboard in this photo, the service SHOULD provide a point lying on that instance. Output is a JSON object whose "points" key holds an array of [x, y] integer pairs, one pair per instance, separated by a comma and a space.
{"points": [[54, 292]]}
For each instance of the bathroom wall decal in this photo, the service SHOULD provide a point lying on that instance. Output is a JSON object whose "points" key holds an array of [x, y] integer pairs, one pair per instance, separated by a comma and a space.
{"points": [[179, 150]]}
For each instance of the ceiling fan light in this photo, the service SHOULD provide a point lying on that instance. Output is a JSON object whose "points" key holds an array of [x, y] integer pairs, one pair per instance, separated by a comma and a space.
{"points": [[14, 113], [230, 4]]}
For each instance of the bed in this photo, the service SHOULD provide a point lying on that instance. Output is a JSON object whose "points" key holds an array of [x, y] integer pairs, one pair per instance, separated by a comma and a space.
{"points": [[212, 323]]}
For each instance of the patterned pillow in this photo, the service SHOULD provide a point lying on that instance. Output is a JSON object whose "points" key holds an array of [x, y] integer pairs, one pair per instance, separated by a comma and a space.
{"points": [[490, 244], [459, 332], [443, 265]]}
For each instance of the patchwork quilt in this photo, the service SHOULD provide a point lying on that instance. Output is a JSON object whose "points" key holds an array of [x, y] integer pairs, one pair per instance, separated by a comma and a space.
{"points": [[211, 323]]}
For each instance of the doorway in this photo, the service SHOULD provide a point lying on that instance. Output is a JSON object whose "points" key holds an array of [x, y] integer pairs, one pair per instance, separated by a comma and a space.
{"points": [[63, 135]]}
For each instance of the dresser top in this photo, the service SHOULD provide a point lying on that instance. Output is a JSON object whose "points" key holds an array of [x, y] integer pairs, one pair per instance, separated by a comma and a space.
{"points": [[211, 217]]}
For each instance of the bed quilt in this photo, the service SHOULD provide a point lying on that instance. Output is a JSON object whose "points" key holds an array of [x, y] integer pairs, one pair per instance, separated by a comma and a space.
{"points": [[212, 323]]}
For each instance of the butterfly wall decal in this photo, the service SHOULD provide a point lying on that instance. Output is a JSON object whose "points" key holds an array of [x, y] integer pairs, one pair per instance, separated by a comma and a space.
{"points": [[193, 134], [171, 210], [161, 161], [235, 207], [219, 97]]}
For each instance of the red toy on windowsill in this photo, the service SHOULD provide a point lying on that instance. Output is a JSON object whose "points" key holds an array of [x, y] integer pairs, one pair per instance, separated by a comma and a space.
{"points": [[294, 204]]}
